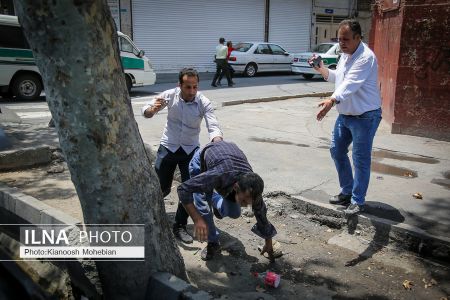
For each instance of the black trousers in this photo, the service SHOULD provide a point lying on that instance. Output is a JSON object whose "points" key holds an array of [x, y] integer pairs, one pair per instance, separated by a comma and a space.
{"points": [[165, 165], [230, 69], [222, 66]]}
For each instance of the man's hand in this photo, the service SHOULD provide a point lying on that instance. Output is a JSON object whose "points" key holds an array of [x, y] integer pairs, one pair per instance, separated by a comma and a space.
{"points": [[268, 248], [326, 106], [217, 139], [321, 68], [200, 229], [157, 106]]}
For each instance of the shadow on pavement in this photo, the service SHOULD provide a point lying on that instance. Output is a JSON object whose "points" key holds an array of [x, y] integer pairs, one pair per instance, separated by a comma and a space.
{"points": [[382, 230]]}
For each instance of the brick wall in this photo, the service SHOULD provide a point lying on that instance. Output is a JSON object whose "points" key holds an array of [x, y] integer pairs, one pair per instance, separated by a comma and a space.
{"points": [[412, 44]]}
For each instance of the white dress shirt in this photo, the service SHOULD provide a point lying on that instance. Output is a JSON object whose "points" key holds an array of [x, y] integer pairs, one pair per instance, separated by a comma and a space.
{"points": [[184, 119], [356, 86], [221, 51]]}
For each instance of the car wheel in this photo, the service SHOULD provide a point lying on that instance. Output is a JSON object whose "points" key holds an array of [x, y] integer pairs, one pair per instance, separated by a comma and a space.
{"points": [[307, 76], [250, 70], [27, 86], [128, 81]]}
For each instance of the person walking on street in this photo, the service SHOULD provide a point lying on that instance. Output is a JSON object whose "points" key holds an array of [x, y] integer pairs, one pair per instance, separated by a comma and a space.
{"points": [[186, 109], [221, 63], [221, 177], [358, 101], [230, 68]]}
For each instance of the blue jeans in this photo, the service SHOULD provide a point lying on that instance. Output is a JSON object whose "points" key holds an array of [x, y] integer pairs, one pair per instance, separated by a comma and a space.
{"points": [[359, 130], [203, 203]]}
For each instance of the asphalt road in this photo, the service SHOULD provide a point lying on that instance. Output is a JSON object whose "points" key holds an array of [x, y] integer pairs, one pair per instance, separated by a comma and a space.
{"points": [[263, 85]]}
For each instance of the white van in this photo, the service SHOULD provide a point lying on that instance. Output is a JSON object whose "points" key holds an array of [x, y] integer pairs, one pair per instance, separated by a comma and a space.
{"points": [[20, 77]]}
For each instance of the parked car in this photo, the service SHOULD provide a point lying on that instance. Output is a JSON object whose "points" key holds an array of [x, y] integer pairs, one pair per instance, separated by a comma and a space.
{"points": [[252, 57], [20, 77], [329, 52]]}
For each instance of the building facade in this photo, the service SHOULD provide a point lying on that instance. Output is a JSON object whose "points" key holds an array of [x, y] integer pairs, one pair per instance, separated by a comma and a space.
{"points": [[176, 33]]}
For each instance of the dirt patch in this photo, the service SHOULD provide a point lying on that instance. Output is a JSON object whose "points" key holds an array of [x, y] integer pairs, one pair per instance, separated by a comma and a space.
{"points": [[313, 265]]}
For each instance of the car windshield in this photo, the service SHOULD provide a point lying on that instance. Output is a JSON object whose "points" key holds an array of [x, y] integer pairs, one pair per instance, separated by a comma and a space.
{"points": [[322, 48], [243, 47]]}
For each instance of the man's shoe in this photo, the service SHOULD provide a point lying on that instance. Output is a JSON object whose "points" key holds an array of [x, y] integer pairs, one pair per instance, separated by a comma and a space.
{"points": [[210, 250], [213, 84], [217, 213], [353, 209], [341, 199], [182, 234]]}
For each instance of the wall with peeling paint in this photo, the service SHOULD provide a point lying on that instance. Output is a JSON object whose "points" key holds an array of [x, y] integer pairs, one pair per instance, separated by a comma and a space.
{"points": [[412, 44]]}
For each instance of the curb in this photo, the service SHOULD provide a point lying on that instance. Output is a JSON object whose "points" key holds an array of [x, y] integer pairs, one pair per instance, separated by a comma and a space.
{"points": [[400, 235], [275, 98], [29, 209], [168, 286]]}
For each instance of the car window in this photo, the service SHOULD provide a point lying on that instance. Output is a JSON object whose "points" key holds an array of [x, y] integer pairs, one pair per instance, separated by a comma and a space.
{"points": [[277, 50], [126, 46], [242, 47], [263, 49], [322, 48], [12, 37]]}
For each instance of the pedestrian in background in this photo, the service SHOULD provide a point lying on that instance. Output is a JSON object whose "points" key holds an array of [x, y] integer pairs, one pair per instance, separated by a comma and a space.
{"points": [[221, 63], [358, 101], [230, 68], [186, 109]]}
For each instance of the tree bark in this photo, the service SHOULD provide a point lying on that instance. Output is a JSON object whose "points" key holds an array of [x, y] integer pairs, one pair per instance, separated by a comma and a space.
{"points": [[76, 50]]}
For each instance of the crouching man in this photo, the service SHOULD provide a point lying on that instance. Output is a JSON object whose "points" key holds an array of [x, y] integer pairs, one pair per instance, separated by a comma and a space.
{"points": [[222, 178]]}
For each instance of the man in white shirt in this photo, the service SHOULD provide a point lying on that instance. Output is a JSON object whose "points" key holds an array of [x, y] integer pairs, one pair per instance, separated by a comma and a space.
{"points": [[358, 101], [186, 109], [222, 63]]}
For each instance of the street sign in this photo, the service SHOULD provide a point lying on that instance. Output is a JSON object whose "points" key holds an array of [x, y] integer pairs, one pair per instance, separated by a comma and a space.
{"points": [[329, 10]]}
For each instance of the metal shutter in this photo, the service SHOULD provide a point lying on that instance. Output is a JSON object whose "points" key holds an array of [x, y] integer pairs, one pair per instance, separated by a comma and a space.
{"points": [[176, 33], [290, 24]]}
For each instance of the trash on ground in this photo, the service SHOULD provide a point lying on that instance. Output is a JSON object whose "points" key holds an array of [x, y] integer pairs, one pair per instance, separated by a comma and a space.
{"points": [[269, 278], [429, 283], [408, 284], [418, 196]]}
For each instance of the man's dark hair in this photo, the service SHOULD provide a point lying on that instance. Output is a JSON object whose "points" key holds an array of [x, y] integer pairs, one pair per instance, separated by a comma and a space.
{"points": [[221, 40], [354, 26], [252, 183], [190, 72], [229, 43]]}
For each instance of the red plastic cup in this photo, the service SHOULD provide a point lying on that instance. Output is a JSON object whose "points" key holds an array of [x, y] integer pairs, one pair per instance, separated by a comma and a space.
{"points": [[272, 279]]}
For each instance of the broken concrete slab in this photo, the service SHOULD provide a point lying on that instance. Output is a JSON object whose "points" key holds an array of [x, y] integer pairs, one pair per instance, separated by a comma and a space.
{"points": [[25, 157]]}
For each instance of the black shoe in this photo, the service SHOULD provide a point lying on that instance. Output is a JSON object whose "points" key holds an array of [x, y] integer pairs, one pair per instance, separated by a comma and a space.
{"points": [[213, 84], [341, 199], [217, 213], [353, 209], [231, 85], [182, 234], [210, 250], [219, 84]]}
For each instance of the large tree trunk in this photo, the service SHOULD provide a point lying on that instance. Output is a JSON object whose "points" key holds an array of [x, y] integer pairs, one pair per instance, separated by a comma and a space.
{"points": [[76, 50]]}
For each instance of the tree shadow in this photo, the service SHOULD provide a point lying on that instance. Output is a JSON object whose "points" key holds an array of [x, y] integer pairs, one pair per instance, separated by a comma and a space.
{"points": [[26, 135], [382, 229]]}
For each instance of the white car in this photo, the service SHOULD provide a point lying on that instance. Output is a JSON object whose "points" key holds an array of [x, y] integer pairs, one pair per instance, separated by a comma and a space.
{"points": [[329, 52], [252, 57]]}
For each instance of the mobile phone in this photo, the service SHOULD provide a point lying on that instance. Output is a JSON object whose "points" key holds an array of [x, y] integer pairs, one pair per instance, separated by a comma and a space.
{"points": [[315, 63]]}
